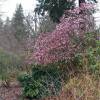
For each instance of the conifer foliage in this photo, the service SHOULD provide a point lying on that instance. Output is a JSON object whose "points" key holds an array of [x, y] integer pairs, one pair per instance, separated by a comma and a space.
{"points": [[18, 23], [56, 8]]}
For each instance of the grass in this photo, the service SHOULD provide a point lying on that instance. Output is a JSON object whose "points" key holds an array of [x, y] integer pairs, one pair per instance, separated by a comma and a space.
{"points": [[82, 87]]}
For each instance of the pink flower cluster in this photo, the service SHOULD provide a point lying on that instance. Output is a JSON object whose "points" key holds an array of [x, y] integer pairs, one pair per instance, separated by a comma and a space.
{"points": [[58, 45]]}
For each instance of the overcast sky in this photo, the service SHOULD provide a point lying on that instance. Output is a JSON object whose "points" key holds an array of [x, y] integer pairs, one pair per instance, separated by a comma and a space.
{"points": [[28, 5], [8, 7]]}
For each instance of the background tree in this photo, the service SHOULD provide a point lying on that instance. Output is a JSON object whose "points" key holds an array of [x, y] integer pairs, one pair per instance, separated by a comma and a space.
{"points": [[46, 24], [7, 25], [8, 42], [1, 25], [18, 24], [56, 8]]}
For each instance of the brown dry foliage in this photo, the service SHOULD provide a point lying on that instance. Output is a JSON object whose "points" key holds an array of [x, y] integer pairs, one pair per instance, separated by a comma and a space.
{"points": [[82, 87]]}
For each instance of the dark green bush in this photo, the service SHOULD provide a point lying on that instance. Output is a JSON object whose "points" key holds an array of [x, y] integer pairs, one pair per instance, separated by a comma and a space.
{"points": [[44, 81]]}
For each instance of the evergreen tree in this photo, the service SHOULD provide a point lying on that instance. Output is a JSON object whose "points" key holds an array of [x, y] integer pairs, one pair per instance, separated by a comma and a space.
{"points": [[7, 25], [46, 24], [18, 24], [56, 8], [1, 25]]}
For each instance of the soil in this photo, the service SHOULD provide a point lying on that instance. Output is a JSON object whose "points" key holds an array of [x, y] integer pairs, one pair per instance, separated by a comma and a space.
{"points": [[10, 93]]}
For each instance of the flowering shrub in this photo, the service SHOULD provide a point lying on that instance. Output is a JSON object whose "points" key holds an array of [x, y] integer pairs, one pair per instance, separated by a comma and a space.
{"points": [[47, 80], [61, 43]]}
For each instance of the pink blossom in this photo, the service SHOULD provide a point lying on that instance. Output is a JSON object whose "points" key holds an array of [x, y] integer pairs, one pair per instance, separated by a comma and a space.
{"points": [[58, 45]]}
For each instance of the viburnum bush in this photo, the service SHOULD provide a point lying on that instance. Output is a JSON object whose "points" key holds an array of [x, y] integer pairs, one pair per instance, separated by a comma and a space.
{"points": [[65, 40]]}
